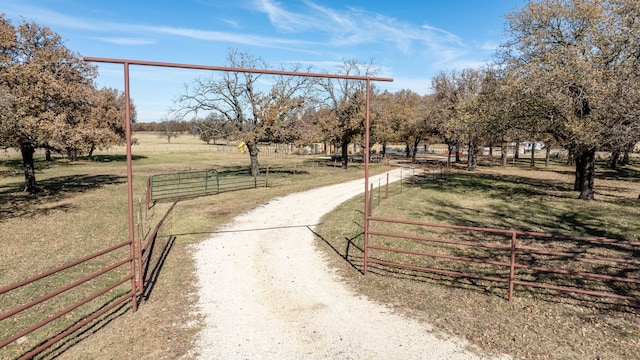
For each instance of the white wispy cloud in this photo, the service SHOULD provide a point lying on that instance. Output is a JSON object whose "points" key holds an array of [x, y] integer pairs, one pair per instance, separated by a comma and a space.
{"points": [[355, 26], [41, 15], [231, 22], [53, 18], [283, 19], [127, 41]]}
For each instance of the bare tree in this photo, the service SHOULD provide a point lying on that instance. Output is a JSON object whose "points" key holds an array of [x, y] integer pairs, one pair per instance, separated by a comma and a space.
{"points": [[213, 128], [239, 99], [169, 129]]}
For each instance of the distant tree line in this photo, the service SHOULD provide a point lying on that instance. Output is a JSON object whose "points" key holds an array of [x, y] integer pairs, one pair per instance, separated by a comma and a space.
{"points": [[567, 75]]}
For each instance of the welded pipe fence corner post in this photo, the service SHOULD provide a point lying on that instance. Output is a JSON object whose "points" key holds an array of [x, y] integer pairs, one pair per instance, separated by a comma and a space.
{"points": [[512, 265], [367, 149], [132, 250]]}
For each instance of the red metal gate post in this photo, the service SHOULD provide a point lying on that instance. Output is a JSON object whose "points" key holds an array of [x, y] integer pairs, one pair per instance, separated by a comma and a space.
{"points": [[512, 267], [127, 124], [367, 145]]}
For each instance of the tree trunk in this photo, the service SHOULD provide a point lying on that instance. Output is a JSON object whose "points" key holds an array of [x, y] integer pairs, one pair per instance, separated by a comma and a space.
{"points": [[533, 154], [503, 157], [570, 158], [345, 154], [30, 184], [490, 151], [615, 155], [516, 152], [547, 155], [450, 147], [416, 143], [585, 173], [253, 155], [471, 157], [577, 183], [457, 153], [625, 155]]}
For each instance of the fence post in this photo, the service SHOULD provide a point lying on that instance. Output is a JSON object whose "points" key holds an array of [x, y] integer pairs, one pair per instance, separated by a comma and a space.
{"points": [[148, 191], [386, 191], [512, 269], [371, 200], [206, 182], [139, 255], [217, 182]]}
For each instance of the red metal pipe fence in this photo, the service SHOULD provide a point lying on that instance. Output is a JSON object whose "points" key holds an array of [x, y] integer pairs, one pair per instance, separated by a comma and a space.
{"points": [[524, 254], [80, 264]]}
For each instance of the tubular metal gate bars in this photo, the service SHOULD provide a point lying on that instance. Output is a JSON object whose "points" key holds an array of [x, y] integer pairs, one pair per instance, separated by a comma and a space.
{"points": [[139, 253], [596, 261], [186, 184]]}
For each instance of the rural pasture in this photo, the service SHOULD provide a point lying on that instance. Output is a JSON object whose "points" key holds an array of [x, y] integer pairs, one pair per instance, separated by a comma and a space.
{"points": [[83, 208]]}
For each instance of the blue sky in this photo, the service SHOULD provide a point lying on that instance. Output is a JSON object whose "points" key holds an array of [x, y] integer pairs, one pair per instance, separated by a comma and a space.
{"points": [[410, 41]]}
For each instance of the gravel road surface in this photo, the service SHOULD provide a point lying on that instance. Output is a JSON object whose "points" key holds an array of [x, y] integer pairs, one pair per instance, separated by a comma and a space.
{"points": [[266, 292]]}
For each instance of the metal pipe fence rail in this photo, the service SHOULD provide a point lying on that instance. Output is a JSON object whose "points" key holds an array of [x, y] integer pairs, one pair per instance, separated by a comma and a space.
{"points": [[33, 298], [200, 183], [149, 258], [583, 265], [135, 266]]}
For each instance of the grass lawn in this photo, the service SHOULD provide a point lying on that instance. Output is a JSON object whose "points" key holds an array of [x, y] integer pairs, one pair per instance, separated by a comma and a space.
{"points": [[537, 324], [83, 208]]}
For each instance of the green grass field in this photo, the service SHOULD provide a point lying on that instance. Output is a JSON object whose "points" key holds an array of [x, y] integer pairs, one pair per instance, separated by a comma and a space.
{"points": [[83, 208]]}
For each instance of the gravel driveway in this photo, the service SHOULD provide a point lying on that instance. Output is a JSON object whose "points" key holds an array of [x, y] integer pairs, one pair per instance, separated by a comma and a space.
{"points": [[266, 293]]}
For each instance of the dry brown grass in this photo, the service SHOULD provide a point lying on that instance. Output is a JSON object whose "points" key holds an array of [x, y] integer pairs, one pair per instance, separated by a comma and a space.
{"points": [[537, 324], [83, 209]]}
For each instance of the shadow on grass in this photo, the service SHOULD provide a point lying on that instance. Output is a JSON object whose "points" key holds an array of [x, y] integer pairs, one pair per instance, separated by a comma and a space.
{"points": [[519, 203], [16, 203], [114, 157], [398, 278], [153, 265], [626, 173], [90, 329], [541, 205], [151, 273]]}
